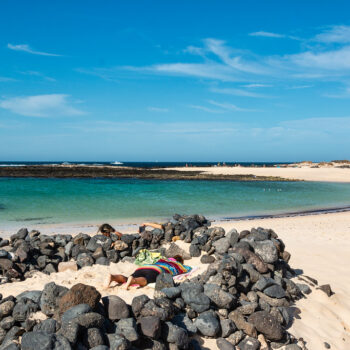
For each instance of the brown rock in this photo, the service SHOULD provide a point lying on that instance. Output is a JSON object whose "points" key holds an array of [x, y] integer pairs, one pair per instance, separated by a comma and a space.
{"points": [[79, 294], [69, 265], [5, 265], [252, 258], [247, 327], [267, 324], [327, 289], [286, 256]]}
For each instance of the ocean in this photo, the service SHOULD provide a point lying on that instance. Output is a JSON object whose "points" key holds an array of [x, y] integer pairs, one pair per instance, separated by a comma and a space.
{"points": [[30, 201]]}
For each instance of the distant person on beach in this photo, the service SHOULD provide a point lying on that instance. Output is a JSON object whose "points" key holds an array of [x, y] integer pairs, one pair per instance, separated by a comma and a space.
{"points": [[150, 224], [146, 274], [107, 229]]}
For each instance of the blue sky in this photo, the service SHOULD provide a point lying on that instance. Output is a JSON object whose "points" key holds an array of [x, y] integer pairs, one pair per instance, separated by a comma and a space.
{"points": [[174, 80]]}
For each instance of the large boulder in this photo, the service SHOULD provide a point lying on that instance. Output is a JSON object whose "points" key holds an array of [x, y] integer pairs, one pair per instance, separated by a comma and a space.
{"points": [[79, 294], [99, 241]]}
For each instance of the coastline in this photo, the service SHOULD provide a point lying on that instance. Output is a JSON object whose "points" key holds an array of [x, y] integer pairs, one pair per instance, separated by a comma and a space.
{"points": [[298, 173], [131, 225]]}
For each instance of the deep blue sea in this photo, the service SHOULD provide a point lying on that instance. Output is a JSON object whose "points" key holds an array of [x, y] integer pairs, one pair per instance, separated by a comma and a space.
{"points": [[32, 200]]}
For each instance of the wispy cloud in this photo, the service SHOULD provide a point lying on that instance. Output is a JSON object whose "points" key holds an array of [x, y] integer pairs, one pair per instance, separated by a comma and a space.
{"points": [[239, 92], [267, 34], [41, 105], [230, 107], [256, 85], [334, 34], [5, 79], [38, 74], [207, 109], [28, 49], [157, 109], [334, 60]]}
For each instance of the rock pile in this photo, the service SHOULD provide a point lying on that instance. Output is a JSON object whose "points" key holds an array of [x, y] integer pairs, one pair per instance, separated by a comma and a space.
{"points": [[242, 299], [27, 252]]}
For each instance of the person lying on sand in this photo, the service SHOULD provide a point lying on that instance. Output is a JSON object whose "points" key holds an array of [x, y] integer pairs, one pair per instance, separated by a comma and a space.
{"points": [[107, 229], [148, 273], [150, 224]]}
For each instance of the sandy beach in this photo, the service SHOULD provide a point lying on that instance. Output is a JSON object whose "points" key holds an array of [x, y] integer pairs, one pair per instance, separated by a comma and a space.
{"points": [[304, 173], [320, 247]]}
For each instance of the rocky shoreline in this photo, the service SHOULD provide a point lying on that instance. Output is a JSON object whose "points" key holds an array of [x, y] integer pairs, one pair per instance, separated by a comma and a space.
{"points": [[242, 300], [87, 171]]}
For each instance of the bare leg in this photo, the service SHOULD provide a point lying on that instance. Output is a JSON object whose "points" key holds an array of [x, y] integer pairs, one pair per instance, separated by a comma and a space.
{"points": [[141, 281], [116, 278]]}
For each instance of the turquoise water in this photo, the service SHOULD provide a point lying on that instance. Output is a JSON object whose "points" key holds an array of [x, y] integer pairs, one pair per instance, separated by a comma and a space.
{"points": [[91, 200]]}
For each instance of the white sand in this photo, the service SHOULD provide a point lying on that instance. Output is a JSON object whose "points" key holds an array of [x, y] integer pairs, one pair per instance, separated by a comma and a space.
{"points": [[319, 245], [330, 174]]}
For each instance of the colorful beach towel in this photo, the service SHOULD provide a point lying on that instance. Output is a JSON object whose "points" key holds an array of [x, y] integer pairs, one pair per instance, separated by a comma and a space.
{"points": [[168, 266], [144, 257]]}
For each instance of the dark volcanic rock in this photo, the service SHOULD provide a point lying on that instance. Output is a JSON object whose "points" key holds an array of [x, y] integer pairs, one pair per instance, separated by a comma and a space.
{"points": [[194, 251], [164, 280], [266, 324], [21, 234], [127, 327], [43, 341], [266, 250], [174, 334], [249, 343], [116, 307], [75, 311], [208, 324], [242, 324], [223, 344], [48, 326], [219, 297], [207, 259], [50, 297], [90, 320], [33, 295], [138, 303], [151, 326], [327, 289], [275, 291], [93, 337], [99, 241], [70, 330]]}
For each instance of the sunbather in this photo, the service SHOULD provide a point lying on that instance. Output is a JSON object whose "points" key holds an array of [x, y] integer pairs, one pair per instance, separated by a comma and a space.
{"points": [[148, 273], [107, 229]]}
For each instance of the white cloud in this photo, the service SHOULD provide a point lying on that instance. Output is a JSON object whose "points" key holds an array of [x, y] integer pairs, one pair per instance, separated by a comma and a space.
{"points": [[38, 74], [267, 34], [157, 109], [335, 60], [28, 49], [335, 34], [230, 107], [6, 79], [40, 105], [256, 85], [206, 109], [238, 92]]}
